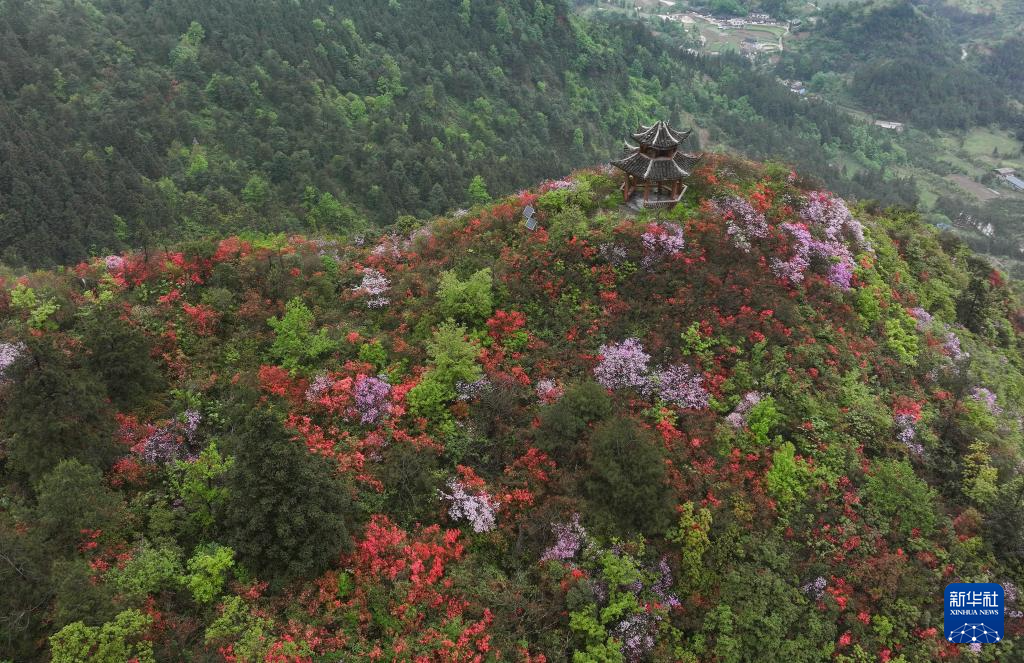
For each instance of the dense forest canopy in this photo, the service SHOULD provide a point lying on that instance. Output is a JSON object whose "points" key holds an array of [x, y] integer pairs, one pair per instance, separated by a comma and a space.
{"points": [[765, 423], [129, 124], [902, 59]]}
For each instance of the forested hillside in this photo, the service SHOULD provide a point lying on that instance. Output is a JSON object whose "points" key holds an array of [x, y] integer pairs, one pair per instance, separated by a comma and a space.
{"points": [[132, 124], [766, 426], [902, 59]]}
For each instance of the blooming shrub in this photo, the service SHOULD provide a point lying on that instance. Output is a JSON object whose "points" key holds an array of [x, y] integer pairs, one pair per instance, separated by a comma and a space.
{"points": [[987, 398], [570, 538], [375, 284], [661, 240], [827, 223], [318, 387], [951, 346], [371, 397], [923, 317], [113, 264], [548, 391], [681, 386], [738, 417], [9, 353], [473, 506], [743, 223], [815, 589], [906, 414], [623, 365]]}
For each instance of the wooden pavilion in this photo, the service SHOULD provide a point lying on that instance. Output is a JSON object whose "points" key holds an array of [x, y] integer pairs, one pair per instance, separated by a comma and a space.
{"points": [[657, 165]]}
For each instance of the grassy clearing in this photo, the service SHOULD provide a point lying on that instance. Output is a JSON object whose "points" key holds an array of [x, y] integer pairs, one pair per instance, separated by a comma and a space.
{"points": [[980, 142]]}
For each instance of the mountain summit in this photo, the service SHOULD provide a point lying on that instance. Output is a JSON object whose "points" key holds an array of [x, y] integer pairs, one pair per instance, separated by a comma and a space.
{"points": [[759, 425]]}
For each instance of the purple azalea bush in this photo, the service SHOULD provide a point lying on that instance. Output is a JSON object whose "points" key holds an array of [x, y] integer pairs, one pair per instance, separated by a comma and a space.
{"points": [[984, 395], [477, 509], [738, 417], [569, 540], [661, 240], [742, 222], [623, 365], [906, 432], [923, 317], [681, 386], [827, 225], [952, 348], [815, 589], [372, 396]]}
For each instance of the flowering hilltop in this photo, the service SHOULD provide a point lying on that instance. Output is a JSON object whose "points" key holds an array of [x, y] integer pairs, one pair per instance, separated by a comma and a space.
{"points": [[767, 424]]}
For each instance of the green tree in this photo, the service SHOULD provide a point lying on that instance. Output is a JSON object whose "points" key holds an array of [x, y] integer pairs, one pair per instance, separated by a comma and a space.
{"points": [[287, 513], [788, 478], [898, 499], [478, 191], [469, 301], [120, 354], [564, 422], [185, 54], [295, 344], [452, 357], [27, 589], [627, 477], [256, 191], [200, 486], [152, 569], [56, 410], [116, 641], [208, 569], [502, 23], [328, 214], [452, 360], [73, 497], [77, 596]]}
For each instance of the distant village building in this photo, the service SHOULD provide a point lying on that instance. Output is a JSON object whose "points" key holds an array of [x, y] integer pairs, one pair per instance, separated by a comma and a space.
{"points": [[656, 165], [1009, 175], [796, 87], [892, 126]]}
